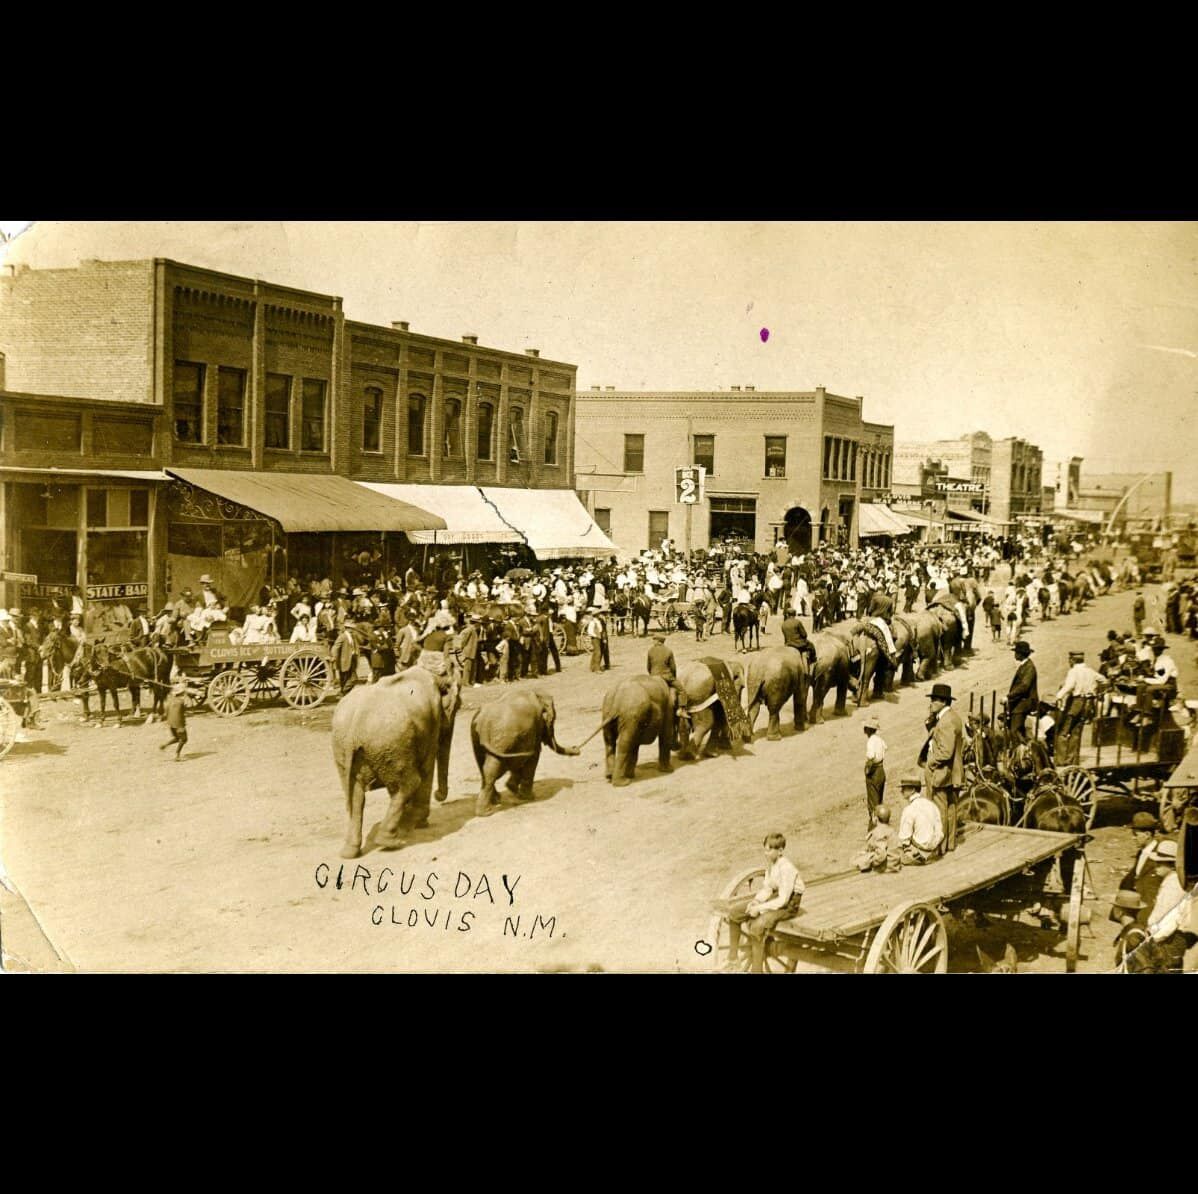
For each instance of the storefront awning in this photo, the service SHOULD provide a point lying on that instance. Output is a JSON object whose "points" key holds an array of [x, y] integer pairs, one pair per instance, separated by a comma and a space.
{"points": [[1094, 517], [123, 474], [469, 517], [974, 516], [915, 520], [311, 502], [879, 520], [555, 524]]}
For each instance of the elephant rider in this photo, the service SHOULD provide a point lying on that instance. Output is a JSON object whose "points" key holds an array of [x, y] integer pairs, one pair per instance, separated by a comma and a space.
{"points": [[944, 598], [1082, 684], [1024, 693], [794, 634], [878, 615], [661, 663], [436, 646]]}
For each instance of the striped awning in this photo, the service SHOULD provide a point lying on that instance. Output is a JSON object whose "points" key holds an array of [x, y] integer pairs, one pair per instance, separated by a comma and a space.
{"points": [[877, 519]]}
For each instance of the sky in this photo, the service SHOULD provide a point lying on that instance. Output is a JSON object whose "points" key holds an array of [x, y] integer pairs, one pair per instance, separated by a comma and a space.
{"points": [[1080, 337]]}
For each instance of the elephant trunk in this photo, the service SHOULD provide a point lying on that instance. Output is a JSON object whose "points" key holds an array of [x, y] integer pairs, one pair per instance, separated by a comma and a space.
{"points": [[551, 741]]}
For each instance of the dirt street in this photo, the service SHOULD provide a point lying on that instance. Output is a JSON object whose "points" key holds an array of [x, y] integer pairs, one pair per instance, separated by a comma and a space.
{"points": [[229, 860]]}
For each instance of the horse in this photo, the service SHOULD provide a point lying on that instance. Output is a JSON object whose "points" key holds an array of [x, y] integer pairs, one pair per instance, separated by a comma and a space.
{"points": [[57, 649], [747, 626], [619, 610], [641, 610], [112, 668]]}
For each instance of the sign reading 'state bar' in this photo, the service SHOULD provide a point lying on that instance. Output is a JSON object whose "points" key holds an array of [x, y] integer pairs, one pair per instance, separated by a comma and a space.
{"points": [[112, 592]]}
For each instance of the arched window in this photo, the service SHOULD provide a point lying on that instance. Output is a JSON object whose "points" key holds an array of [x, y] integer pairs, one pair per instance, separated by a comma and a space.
{"points": [[416, 408], [453, 428], [484, 448], [516, 431], [551, 437], [372, 420]]}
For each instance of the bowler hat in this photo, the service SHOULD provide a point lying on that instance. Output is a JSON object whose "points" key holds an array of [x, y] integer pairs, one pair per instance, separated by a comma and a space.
{"points": [[1023, 649], [1164, 852], [940, 692], [1127, 897], [205, 579], [914, 780], [1145, 821]]}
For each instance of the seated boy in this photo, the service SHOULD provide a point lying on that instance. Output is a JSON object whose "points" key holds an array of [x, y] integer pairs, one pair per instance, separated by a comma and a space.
{"points": [[920, 829], [776, 900], [879, 843]]}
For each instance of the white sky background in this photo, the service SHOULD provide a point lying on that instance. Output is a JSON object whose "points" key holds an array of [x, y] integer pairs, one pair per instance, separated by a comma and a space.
{"points": [[1082, 338]]}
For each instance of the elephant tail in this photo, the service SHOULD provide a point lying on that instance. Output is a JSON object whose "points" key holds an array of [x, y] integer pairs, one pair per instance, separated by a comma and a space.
{"points": [[573, 750], [753, 690]]}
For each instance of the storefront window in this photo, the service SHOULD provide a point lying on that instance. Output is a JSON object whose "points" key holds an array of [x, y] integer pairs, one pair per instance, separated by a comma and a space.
{"points": [[116, 557], [97, 507]]}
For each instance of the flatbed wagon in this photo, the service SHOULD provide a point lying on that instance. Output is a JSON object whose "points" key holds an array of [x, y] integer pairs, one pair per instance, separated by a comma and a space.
{"points": [[880, 923], [228, 676]]}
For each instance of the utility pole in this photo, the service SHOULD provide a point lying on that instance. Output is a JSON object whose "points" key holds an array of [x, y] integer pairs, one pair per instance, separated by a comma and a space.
{"points": [[690, 459]]}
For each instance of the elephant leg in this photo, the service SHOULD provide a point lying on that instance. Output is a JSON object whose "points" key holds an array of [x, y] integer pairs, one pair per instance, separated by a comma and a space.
{"points": [[867, 679], [704, 724], [609, 751], [444, 742], [355, 800], [491, 770], [818, 692], [842, 692], [663, 751], [800, 706], [751, 713], [385, 833], [773, 731], [624, 764]]}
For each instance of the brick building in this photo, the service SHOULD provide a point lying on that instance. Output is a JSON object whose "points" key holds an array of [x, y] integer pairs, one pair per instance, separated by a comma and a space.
{"points": [[206, 375], [1017, 486], [968, 458], [799, 466]]}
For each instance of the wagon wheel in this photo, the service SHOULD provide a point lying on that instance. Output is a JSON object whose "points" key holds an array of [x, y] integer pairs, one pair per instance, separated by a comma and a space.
{"points": [[304, 679], [559, 638], [229, 693], [1073, 933], [266, 678], [1079, 786], [745, 884], [10, 723], [912, 940], [585, 642]]}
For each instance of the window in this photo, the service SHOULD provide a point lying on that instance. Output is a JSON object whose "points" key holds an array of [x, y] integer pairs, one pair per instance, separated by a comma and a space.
{"points": [[139, 507], [486, 424], [453, 428], [659, 527], [312, 439], [416, 405], [516, 426], [278, 410], [775, 456], [189, 402], [705, 452], [827, 457], [852, 461], [551, 437], [634, 454], [372, 420], [97, 507], [603, 520], [230, 406]]}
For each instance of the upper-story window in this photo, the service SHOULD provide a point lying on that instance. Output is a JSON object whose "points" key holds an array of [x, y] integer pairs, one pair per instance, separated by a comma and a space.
{"points": [[551, 437], [516, 425], [278, 410], [313, 422], [775, 456], [372, 420], [416, 410], [189, 402], [634, 453], [230, 406], [453, 428], [705, 452], [485, 432]]}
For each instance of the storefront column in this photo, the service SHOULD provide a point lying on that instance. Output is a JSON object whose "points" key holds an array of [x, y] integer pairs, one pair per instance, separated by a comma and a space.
{"points": [[7, 555], [156, 588], [436, 422], [503, 433], [81, 544]]}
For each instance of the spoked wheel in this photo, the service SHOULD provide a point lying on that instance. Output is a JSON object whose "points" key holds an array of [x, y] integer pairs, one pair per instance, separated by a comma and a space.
{"points": [[1073, 932], [1079, 786], [305, 679], [229, 693], [718, 933], [912, 940], [10, 723]]}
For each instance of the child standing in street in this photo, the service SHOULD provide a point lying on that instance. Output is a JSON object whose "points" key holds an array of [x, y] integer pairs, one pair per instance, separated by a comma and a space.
{"points": [[175, 709]]}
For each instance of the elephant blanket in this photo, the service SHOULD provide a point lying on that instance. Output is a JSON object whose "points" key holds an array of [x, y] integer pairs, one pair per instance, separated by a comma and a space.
{"points": [[738, 723]]}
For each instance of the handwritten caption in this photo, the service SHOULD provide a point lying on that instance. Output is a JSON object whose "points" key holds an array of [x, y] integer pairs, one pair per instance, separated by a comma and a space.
{"points": [[430, 901]]}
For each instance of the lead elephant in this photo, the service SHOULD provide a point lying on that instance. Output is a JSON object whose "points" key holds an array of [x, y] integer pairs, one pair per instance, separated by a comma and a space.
{"points": [[971, 594], [778, 675], [507, 736], [864, 656], [392, 734], [696, 725], [902, 630], [952, 636], [926, 645], [636, 712]]}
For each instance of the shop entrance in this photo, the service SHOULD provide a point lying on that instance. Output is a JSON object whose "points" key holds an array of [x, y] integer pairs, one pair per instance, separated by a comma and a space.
{"points": [[733, 520], [797, 529]]}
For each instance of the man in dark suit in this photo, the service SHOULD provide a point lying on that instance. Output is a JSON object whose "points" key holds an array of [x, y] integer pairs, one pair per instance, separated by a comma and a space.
{"points": [[661, 663], [1024, 694], [944, 757]]}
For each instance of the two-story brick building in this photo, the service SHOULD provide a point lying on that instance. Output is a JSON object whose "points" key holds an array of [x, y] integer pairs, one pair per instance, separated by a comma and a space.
{"points": [[254, 413], [799, 466]]}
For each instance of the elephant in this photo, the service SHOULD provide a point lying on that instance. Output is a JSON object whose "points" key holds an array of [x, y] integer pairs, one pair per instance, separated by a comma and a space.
{"points": [[903, 631], [391, 734], [865, 646], [777, 675], [951, 636], [926, 644], [697, 682], [971, 594], [832, 668], [507, 736], [635, 712]]}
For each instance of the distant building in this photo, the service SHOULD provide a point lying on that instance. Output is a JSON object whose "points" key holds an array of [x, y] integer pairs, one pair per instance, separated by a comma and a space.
{"points": [[1016, 480], [799, 466], [1148, 505], [966, 459]]}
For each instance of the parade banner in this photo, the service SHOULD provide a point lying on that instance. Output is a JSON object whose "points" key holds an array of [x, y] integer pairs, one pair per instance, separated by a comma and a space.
{"points": [[115, 592]]}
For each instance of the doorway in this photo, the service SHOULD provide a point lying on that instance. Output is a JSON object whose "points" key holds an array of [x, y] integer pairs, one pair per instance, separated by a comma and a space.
{"points": [[797, 531]]}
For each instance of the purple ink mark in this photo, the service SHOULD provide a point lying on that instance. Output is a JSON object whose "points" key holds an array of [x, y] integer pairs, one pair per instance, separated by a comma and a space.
{"points": [[765, 335]]}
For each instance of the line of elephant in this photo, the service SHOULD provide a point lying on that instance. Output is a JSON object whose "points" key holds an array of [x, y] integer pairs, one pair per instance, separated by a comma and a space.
{"points": [[397, 733]]}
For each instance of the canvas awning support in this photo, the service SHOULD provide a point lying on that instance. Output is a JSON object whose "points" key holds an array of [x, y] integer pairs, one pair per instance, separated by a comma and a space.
{"points": [[469, 517]]}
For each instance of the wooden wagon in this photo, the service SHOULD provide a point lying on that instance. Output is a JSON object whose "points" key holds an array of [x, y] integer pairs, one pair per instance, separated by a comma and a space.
{"points": [[880, 923], [227, 676]]}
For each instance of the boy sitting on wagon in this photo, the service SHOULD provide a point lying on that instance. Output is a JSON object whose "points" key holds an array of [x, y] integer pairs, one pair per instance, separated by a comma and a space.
{"points": [[776, 900]]}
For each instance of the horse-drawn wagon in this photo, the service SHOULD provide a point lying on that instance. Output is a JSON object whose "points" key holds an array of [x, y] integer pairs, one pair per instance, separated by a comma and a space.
{"points": [[18, 711], [885, 923], [228, 676]]}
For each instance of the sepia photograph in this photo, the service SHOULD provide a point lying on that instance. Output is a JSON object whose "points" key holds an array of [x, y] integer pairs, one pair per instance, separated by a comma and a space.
{"points": [[693, 597]]}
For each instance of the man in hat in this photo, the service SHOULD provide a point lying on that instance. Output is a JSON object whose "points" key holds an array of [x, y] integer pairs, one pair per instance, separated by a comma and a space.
{"points": [[875, 769], [1132, 944], [593, 628], [660, 662], [1164, 670], [1143, 832], [11, 644], [174, 709], [1075, 698], [1024, 693], [944, 757], [921, 828]]}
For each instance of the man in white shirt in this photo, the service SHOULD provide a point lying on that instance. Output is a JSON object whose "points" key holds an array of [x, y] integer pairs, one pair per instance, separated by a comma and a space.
{"points": [[875, 770], [1081, 683], [776, 900], [920, 830], [1164, 669]]}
